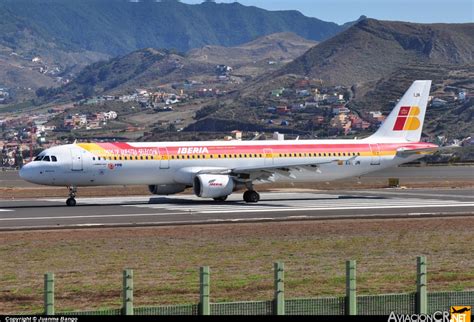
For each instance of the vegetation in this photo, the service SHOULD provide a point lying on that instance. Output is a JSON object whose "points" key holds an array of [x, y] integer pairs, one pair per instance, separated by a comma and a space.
{"points": [[117, 27], [88, 263]]}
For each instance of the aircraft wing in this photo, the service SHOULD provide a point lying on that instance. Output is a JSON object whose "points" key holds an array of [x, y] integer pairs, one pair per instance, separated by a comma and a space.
{"points": [[263, 173], [266, 173]]}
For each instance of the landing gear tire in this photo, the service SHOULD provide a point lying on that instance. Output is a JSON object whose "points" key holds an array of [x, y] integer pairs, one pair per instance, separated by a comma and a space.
{"points": [[251, 196], [224, 198], [71, 202]]}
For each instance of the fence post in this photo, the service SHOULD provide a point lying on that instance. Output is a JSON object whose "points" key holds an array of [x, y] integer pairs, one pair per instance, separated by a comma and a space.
{"points": [[279, 285], [49, 294], [127, 308], [351, 295], [421, 284], [204, 290]]}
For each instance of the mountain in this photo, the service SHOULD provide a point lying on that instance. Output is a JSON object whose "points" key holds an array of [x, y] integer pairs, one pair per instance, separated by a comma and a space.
{"points": [[142, 68], [372, 49], [152, 67], [278, 47], [117, 27], [351, 23], [30, 58], [376, 61]]}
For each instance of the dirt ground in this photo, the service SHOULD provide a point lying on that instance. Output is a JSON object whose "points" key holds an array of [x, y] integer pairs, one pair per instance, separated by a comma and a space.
{"points": [[88, 263]]}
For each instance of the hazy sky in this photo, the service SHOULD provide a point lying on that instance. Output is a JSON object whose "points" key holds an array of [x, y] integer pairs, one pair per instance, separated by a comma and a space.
{"points": [[341, 11]]}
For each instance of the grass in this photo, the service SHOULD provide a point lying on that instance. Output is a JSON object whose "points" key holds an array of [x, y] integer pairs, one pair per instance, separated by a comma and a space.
{"points": [[88, 263]]}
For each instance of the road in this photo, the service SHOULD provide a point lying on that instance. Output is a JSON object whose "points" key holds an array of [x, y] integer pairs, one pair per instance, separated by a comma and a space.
{"points": [[188, 209]]}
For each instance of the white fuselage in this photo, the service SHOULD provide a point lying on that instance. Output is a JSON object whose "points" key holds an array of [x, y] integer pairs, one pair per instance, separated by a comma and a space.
{"points": [[177, 162]]}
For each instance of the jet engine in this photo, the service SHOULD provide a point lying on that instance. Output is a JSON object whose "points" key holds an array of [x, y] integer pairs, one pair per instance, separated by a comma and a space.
{"points": [[166, 189], [213, 185]]}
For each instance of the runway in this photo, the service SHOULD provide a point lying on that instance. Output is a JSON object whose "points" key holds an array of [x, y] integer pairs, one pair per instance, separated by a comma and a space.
{"points": [[188, 209]]}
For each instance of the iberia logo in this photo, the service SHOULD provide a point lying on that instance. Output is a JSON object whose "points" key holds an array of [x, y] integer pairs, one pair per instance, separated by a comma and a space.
{"points": [[460, 313], [407, 119], [111, 166]]}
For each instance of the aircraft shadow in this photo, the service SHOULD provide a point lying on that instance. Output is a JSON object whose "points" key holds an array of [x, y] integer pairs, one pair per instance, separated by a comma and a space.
{"points": [[193, 202]]}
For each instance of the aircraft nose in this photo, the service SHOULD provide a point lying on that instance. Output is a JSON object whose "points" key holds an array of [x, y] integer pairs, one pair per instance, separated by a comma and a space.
{"points": [[25, 172]]}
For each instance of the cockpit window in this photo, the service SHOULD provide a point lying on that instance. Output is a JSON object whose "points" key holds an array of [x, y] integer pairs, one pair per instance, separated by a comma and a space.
{"points": [[53, 158], [46, 158], [38, 158]]}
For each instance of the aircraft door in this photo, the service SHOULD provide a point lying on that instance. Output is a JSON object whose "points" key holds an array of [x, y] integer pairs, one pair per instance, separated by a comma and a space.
{"points": [[375, 149], [268, 156], [77, 159], [165, 158]]}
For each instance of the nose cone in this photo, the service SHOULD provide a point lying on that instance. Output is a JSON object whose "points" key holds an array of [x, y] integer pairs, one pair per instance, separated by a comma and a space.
{"points": [[25, 172]]}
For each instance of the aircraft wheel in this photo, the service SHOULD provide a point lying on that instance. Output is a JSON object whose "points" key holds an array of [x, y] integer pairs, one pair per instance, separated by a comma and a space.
{"points": [[223, 198], [251, 196], [71, 202]]}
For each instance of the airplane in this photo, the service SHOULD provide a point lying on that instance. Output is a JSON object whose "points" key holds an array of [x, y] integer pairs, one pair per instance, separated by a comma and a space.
{"points": [[215, 169]]}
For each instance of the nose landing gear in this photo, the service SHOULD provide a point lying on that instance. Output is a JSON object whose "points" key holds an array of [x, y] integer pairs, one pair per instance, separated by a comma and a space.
{"points": [[71, 201]]}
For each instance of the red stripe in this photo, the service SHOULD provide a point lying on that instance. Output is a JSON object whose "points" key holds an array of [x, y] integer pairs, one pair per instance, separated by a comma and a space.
{"points": [[404, 111], [399, 123]]}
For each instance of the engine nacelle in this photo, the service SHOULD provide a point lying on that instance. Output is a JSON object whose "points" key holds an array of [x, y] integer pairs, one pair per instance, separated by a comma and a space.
{"points": [[166, 189], [213, 185]]}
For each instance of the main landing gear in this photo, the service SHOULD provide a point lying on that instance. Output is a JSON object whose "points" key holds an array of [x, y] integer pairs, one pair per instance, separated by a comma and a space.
{"points": [[251, 196], [71, 201]]}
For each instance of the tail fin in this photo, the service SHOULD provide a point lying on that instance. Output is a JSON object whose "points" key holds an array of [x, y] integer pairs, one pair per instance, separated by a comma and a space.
{"points": [[405, 122]]}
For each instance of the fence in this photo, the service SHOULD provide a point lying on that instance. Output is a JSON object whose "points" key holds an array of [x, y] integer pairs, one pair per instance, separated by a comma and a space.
{"points": [[420, 301]]}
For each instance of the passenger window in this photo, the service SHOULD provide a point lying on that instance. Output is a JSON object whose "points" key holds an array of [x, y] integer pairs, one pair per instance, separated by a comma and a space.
{"points": [[46, 158], [93, 158]]}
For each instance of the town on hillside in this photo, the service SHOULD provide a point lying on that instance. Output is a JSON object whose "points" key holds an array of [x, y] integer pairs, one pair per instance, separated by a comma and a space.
{"points": [[307, 104]]}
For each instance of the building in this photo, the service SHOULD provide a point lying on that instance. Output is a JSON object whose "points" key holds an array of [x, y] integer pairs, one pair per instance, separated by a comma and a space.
{"points": [[438, 102], [277, 92]]}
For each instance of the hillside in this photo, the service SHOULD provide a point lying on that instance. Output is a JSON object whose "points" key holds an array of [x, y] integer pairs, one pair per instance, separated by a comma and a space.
{"points": [[117, 27], [278, 47], [376, 61], [452, 120], [153, 68], [30, 58], [373, 49], [143, 68]]}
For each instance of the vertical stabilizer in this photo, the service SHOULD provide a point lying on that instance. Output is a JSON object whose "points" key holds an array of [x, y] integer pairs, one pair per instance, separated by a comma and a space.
{"points": [[405, 122]]}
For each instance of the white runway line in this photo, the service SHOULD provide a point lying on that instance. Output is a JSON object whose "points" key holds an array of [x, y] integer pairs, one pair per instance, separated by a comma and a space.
{"points": [[5, 210], [414, 193], [301, 205], [91, 216]]}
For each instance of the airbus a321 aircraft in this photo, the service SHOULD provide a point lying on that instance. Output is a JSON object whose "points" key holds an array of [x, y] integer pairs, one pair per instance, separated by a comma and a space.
{"points": [[217, 168]]}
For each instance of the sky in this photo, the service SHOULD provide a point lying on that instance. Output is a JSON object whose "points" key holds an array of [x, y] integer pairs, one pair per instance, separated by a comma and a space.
{"points": [[341, 11]]}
